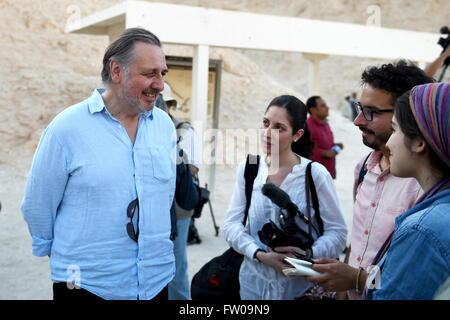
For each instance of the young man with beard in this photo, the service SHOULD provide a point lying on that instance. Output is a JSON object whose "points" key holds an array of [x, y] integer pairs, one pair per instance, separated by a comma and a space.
{"points": [[380, 197], [101, 184]]}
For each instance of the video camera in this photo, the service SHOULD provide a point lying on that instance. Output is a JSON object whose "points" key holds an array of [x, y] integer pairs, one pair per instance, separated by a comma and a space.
{"points": [[290, 234]]}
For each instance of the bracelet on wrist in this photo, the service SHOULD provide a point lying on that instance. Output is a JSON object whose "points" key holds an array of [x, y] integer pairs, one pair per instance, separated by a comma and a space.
{"points": [[256, 252], [358, 275]]}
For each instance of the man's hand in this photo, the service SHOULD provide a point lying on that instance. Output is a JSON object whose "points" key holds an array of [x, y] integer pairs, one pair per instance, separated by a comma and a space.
{"points": [[194, 169], [329, 153], [431, 69], [444, 55], [336, 276]]}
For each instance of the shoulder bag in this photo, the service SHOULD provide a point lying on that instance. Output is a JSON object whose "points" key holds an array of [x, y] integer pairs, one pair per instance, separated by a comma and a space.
{"points": [[218, 279]]}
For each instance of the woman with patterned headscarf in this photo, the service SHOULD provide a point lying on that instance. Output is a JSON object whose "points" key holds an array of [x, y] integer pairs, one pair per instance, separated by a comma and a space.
{"points": [[414, 262]]}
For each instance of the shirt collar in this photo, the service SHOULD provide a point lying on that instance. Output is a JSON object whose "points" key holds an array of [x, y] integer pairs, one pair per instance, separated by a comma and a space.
{"points": [[148, 114], [96, 104], [373, 162], [318, 122], [297, 167]]}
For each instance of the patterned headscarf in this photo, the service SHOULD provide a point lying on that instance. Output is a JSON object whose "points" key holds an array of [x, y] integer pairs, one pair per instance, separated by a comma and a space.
{"points": [[430, 104]]}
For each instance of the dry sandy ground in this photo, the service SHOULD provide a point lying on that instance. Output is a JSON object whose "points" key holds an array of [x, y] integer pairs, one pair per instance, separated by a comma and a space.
{"points": [[24, 276]]}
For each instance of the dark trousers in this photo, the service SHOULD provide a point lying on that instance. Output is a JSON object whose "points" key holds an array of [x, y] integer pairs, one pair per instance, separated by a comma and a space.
{"points": [[62, 292]]}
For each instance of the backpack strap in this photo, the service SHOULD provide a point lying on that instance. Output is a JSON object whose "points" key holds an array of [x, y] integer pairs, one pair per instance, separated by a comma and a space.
{"points": [[182, 123], [250, 173], [311, 189], [363, 170]]}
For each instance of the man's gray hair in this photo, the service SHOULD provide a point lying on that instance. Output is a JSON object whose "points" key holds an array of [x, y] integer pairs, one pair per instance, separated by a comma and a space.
{"points": [[121, 49]]}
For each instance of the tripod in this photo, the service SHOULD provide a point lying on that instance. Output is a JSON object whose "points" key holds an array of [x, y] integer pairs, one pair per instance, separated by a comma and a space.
{"points": [[193, 236], [216, 228], [204, 198]]}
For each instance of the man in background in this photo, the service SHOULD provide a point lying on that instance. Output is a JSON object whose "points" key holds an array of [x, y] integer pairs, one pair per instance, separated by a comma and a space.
{"points": [[325, 150], [179, 288], [347, 109]]}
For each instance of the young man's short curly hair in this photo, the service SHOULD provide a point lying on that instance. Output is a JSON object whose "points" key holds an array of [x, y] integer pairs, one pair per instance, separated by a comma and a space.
{"points": [[395, 78]]}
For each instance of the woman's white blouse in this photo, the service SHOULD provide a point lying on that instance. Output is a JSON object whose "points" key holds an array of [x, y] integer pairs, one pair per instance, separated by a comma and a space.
{"points": [[258, 281]]}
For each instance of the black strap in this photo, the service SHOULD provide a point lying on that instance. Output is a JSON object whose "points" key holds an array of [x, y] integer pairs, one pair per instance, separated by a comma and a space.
{"points": [[250, 173], [315, 200], [181, 123], [363, 170]]}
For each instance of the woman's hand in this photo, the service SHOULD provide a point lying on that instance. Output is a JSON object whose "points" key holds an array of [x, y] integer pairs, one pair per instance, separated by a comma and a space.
{"points": [[288, 251], [273, 259]]}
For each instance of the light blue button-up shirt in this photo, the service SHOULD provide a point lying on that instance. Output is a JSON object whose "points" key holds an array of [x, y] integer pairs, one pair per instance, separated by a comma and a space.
{"points": [[84, 174]]}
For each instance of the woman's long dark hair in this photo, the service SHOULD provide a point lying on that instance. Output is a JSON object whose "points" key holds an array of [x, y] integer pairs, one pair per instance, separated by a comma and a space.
{"points": [[297, 115]]}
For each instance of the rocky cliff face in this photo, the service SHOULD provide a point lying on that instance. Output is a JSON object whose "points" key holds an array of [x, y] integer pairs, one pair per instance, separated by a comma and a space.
{"points": [[44, 70]]}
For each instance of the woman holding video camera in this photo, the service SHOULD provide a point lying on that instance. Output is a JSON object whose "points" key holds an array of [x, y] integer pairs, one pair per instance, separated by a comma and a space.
{"points": [[284, 164], [414, 262]]}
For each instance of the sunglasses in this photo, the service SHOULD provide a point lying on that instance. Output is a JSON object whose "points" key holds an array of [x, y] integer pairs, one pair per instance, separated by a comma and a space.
{"points": [[130, 213], [368, 111]]}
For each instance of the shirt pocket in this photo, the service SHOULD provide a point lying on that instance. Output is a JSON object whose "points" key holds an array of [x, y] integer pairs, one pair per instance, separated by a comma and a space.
{"points": [[161, 164], [393, 212], [385, 223]]}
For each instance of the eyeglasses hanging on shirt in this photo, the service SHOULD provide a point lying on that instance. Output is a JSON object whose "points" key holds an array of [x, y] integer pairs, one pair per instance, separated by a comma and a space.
{"points": [[130, 213]]}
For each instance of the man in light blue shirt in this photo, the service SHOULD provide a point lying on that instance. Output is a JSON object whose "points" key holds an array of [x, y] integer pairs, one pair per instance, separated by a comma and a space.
{"points": [[102, 182]]}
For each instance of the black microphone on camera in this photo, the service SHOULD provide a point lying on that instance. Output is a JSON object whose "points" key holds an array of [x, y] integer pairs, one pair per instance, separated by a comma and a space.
{"points": [[282, 199]]}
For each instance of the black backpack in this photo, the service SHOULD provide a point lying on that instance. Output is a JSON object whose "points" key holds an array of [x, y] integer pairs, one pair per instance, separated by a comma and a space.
{"points": [[218, 279]]}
